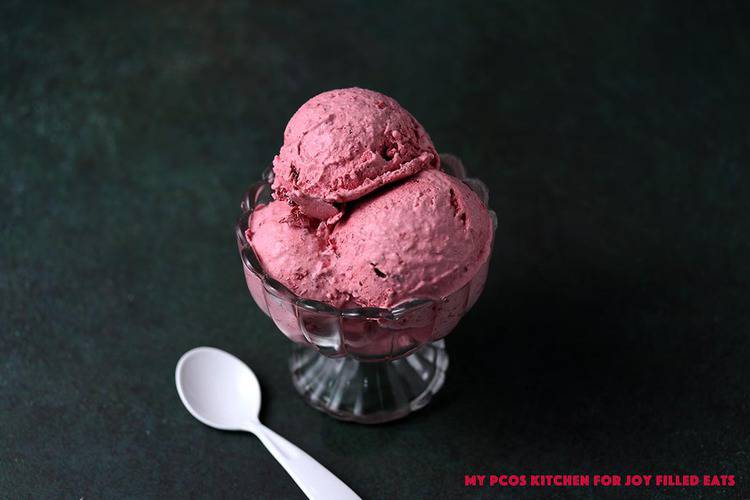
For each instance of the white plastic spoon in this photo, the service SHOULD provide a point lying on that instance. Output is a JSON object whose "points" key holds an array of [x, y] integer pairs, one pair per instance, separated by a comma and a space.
{"points": [[222, 392]]}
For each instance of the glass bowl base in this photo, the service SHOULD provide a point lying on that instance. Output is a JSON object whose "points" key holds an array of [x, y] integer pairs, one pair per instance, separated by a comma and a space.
{"points": [[369, 392]]}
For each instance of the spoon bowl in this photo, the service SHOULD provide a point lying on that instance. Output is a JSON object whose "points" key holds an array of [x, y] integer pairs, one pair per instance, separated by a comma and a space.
{"points": [[218, 389]]}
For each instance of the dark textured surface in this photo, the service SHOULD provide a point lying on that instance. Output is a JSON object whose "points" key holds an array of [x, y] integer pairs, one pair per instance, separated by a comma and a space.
{"points": [[613, 335]]}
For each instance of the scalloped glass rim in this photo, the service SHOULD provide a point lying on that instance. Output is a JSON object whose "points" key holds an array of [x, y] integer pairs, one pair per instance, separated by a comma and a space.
{"points": [[450, 164]]}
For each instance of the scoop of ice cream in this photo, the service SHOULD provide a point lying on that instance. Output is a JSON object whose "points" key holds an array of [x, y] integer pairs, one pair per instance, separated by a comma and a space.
{"points": [[424, 237], [343, 144], [293, 252]]}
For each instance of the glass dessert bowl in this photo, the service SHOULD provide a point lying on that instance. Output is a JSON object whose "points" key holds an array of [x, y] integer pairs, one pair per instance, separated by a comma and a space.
{"points": [[367, 365]]}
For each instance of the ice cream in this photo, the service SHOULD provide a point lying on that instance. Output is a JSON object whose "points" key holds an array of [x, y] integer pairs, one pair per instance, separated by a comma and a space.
{"points": [[345, 143], [407, 230], [293, 252], [424, 237]]}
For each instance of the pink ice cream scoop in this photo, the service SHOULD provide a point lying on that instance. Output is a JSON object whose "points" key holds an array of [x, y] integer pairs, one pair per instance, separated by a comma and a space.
{"points": [[292, 252], [345, 143], [425, 237]]}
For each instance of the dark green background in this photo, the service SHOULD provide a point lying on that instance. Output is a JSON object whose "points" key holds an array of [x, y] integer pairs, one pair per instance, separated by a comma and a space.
{"points": [[613, 334]]}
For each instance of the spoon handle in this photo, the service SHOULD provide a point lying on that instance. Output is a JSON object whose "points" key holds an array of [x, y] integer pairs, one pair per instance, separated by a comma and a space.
{"points": [[317, 482]]}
